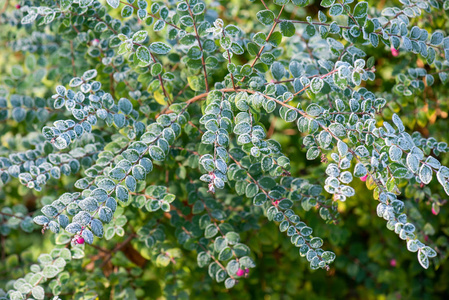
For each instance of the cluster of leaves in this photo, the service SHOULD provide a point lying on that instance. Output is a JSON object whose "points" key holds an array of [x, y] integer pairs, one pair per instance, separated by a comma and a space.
{"points": [[169, 138]]}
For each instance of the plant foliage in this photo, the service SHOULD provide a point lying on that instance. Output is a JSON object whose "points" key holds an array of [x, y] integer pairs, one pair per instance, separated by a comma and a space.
{"points": [[153, 124]]}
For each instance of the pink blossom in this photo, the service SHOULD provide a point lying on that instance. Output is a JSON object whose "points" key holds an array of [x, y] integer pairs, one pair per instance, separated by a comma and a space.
{"points": [[18, 6], [80, 240], [364, 177], [434, 211], [246, 271], [240, 272], [394, 51], [393, 262]]}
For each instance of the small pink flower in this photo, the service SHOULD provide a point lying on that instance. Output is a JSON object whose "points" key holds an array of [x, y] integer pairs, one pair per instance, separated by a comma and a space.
{"points": [[246, 271], [95, 42], [18, 6], [364, 177], [80, 240], [434, 211], [393, 262], [394, 51], [240, 272], [276, 202], [426, 238]]}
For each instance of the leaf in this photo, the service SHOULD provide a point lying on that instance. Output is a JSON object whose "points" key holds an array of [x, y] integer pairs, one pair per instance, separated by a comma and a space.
{"points": [[230, 282], [425, 174], [266, 17], [360, 170], [361, 10], [395, 153], [203, 259], [97, 228], [66, 4], [113, 3], [160, 48], [436, 38], [143, 54], [423, 259], [287, 29], [316, 85], [211, 231], [127, 11], [314, 110], [400, 173], [327, 3], [50, 271], [398, 122], [225, 254], [277, 70], [157, 153], [337, 129], [38, 292], [336, 10], [312, 153]]}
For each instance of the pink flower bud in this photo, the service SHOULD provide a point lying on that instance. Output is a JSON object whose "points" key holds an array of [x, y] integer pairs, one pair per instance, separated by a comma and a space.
{"points": [[18, 6], [426, 238], [246, 271], [394, 52], [240, 272], [434, 212], [80, 240], [364, 177], [393, 262]]}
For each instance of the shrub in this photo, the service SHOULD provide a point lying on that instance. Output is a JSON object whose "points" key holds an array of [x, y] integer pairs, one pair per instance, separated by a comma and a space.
{"points": [[158, 126]]}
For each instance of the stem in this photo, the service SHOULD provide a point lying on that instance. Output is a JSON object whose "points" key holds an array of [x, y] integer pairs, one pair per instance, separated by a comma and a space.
{"points": [[276, 21], [199, 44]]}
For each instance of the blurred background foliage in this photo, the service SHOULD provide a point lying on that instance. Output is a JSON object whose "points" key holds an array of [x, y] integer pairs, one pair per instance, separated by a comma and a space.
{"points": [[371, 263]]}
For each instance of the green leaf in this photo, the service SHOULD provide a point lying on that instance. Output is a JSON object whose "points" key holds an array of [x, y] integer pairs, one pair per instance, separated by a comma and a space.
{"points": [[360, 170], [203, 259], [423, 259], [225, 254], [157, 153], [277, 70], [266, 17], [287, 29], [312, 153], [327, 3], [143, 54], [336, 10], [316, 85], [113, 3], [140, 36], [436, 38], [425, 174], [50, 271], [127, 11], [38, 292], [211, 231], [160, 48], [361, 10]]}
